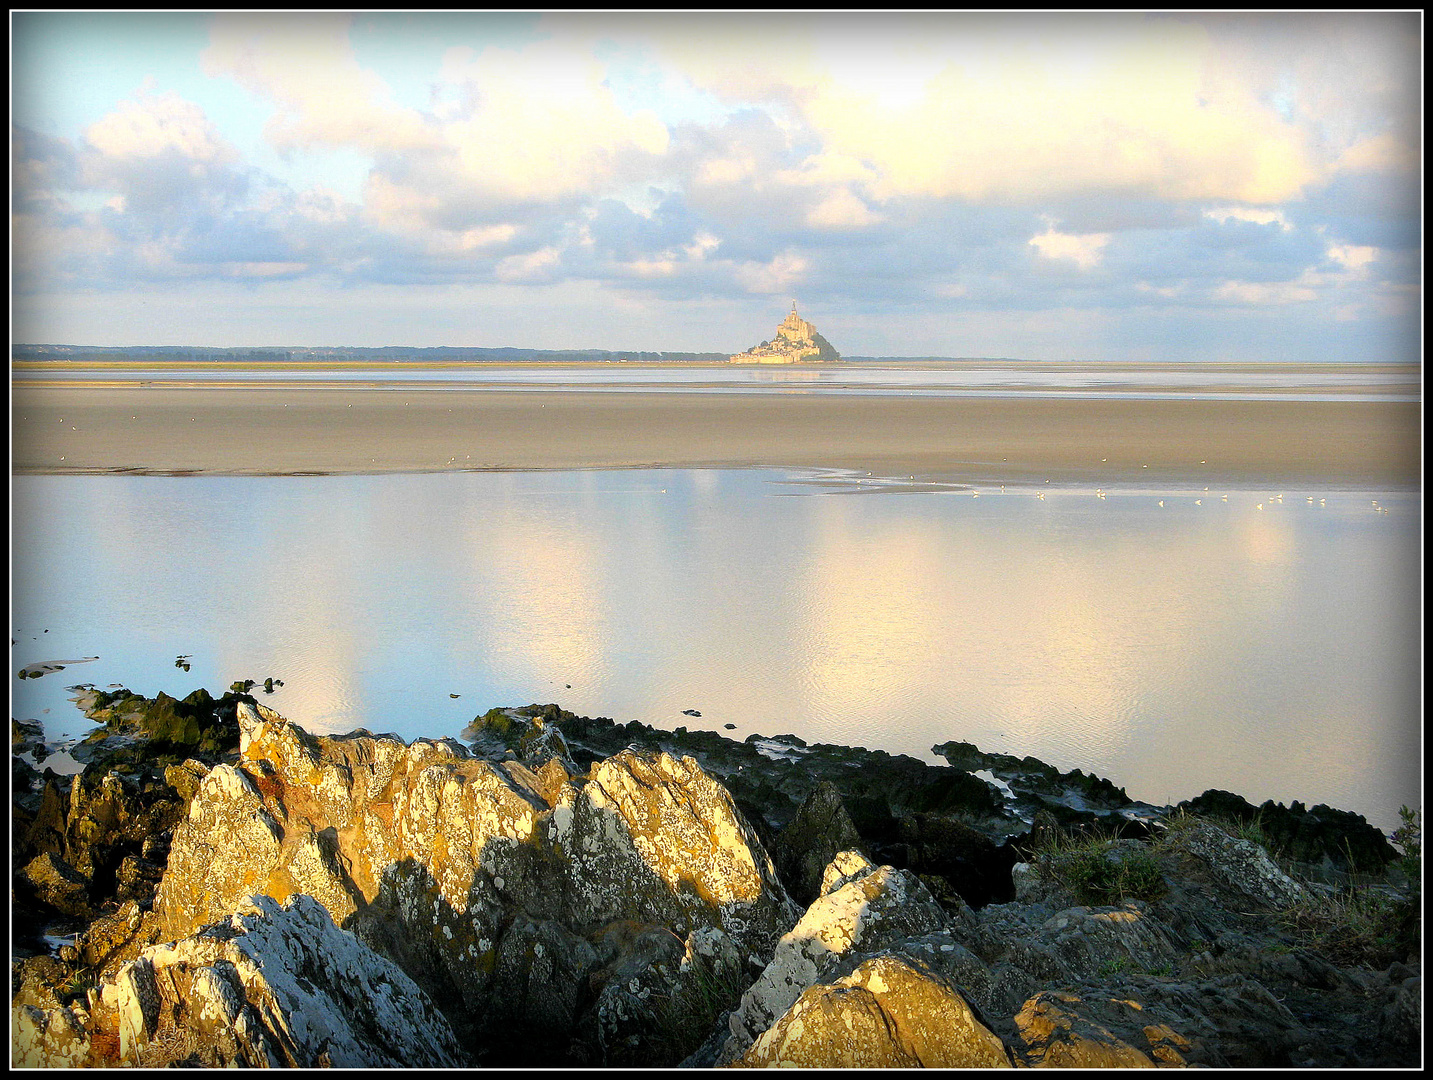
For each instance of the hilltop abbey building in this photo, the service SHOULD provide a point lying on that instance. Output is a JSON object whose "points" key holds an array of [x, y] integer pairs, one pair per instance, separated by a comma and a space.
{"points": [[796, 342]]}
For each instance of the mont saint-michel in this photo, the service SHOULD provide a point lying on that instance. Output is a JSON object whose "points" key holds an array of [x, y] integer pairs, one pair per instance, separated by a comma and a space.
{"points": [[796, 342]]}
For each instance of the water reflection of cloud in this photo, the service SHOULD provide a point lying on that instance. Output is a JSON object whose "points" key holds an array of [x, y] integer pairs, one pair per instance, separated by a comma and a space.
{"points": [[539, 594], [1064, 633], [1171, 649], [871, 622]]}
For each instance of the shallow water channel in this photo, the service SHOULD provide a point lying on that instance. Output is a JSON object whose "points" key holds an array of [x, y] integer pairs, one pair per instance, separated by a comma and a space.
{"points": [[1262, 641]]}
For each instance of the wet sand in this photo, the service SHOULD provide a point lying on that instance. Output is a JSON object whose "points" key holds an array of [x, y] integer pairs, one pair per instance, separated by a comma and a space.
{"points": [[69, 429]]}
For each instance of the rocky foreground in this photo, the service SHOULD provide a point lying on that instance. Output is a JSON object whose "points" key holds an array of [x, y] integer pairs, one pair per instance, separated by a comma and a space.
{"points": [[565, 891]]}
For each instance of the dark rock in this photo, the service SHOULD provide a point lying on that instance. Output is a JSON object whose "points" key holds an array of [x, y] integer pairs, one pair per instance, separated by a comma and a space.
{"points": [[973, 866], [111, 816], [539, 985], [27, 737], [185, 778], [1335, 841], [820, 829], [46, 831], [1401, 1022], [137, 880], [1059, 1033], [138, 730]]}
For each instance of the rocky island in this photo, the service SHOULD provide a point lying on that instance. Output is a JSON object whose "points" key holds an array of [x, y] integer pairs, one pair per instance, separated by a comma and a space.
{"points": [[796, 342], [224, 888]]}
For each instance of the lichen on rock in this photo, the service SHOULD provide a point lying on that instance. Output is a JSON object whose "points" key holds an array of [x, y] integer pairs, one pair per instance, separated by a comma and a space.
{"points": [[276, 985], [891, 1012], [867, 908]]}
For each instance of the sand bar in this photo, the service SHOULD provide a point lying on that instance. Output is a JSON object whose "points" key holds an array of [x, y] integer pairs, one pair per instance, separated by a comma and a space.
{"points": [[290, 429]]}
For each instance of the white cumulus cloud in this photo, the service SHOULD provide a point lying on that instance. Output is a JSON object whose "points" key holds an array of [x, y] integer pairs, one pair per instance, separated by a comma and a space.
{"points": [[1085, 250]]}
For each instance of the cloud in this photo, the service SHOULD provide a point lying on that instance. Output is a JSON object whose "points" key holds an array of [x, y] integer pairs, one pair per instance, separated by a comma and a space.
{"points": [[776, 276], [1255, 216], [155, 125], [992, 109], [841, 210], [991, 167], [542, 125], [305, 65], [1349, 264], [1353, 257], [1261, 293], [1085, 251], [533, 266]]}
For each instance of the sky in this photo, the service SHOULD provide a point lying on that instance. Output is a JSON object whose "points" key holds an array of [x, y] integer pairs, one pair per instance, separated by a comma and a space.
{"points": [[1181, 187]]}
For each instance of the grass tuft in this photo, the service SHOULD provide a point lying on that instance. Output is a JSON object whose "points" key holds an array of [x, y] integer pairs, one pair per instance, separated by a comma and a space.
{"points": [[1356, 927], [687, 1016], [1097, 868]]}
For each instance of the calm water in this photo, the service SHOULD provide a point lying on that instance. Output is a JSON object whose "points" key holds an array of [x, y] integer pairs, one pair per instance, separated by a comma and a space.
{"points": [[1228, 638]]}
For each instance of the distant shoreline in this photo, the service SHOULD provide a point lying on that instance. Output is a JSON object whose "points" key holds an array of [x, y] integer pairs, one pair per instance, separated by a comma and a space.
{"points": [[635, 359], [352, 429]]}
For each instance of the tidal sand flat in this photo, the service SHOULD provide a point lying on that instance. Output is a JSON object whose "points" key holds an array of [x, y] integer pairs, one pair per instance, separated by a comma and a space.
{"points": [[397, 429]]}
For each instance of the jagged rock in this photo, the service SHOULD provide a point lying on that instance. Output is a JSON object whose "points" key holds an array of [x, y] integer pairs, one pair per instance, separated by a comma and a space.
{"points": [[36, 980], [137, 879], [430, 855], [775, 775], [1085, 940], [820, 830], [584, 902], [1320, 839], [276, 985], [542, 743], [135, 728], [186, 778], [1039, 790], [228, 845], [639, 970], [1240, 865], [651, 835], [796, 341], [977, 870], [539, 984], [1230, 1020], [1029, 887], [27, 737], [844, 868], [110, 816], [58, 884], [47, 1038], [867, 908], [1297, 966], [113, 939], [891, 1012], [46, 831], [1074, 944], [1400, 1024], [1056, 1035], [656, 994]]}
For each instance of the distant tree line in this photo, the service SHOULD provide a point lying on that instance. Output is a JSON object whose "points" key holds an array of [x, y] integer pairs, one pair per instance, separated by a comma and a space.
{"points": [[391, 353]]}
